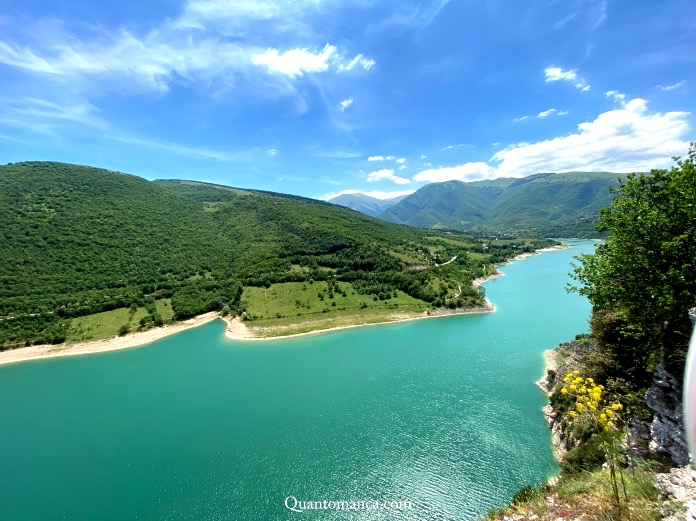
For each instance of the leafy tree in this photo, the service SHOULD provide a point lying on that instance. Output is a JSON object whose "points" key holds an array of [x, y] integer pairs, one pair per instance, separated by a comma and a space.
{"points": [[645, 272]]}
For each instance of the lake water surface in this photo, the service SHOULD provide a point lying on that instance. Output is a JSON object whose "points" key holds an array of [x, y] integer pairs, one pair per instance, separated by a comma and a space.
{"points": [[441, 412]]}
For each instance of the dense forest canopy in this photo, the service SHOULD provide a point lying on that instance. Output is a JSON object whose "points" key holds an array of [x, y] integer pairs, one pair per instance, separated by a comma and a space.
{"points": [[78, 240]]}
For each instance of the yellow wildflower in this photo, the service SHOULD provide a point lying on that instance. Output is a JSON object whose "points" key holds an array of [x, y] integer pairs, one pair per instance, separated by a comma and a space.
{"points": [[610, 424], [602, 416], [579, 406], [573, 387], [609, 412], [564, 391]]}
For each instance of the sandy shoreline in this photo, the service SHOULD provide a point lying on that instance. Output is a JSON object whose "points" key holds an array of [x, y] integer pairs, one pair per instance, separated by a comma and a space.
{"points": [[40, 352], [235, 330]]}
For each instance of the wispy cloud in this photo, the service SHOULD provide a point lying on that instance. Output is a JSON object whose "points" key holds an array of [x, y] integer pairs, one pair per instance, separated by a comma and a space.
{"points": [[550, 112], [338, 154], [387, 174], [188, 151], [193, 49], [359, 61], [452, 147], [543, 115], [414, 16], [554, 74], [671, 87], [49, 117], [345, 104], [616, 96]]}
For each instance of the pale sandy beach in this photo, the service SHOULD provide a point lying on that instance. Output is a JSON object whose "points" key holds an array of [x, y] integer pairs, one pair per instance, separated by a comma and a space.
{"points": [[112, 344]]}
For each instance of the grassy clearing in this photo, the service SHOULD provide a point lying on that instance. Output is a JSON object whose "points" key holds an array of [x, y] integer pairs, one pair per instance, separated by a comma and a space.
{"points": [[296, 307], [587, 495], [106, 324], [453, 242], [164, 308], [102, 325], [408, 258], [295, 301]]}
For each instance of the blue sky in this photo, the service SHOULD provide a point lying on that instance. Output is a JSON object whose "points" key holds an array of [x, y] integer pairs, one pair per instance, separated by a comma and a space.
{"points": [[320, 97]]}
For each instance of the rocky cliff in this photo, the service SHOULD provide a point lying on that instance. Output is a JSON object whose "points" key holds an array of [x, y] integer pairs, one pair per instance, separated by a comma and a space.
{"points": [[665, 398]]}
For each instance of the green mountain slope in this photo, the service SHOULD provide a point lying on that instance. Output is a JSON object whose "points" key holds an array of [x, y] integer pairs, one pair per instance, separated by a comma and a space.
{"points": [[79, 241], [561, 205], [366, 204]]}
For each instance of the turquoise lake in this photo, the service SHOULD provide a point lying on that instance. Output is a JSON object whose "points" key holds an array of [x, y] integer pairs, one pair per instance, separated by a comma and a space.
{"points": [[441, 412]]}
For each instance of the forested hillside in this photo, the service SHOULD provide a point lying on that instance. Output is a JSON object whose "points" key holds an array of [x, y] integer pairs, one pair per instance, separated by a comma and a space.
{"points": [[546, 205], [77, 241]]}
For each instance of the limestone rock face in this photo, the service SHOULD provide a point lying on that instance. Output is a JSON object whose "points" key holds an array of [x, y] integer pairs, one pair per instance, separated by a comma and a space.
{"points": [[679, 490], [667, 428]]}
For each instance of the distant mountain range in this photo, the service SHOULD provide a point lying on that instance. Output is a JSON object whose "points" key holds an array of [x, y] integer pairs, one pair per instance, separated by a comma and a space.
{"points": [[366, 204], [550, 205]]}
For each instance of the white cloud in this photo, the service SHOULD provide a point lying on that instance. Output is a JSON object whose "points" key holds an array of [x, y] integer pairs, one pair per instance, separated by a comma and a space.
{"points": [[387, 174], [616, 96], [424, 156], [626, 139], [554, 74], [375, 158], [629, 138], [465, 172], [359, 61], [671, 87], [550, 112], [543, 115], [345, 104], [401, 160], [460, 145], [272, 152], [402, 167], [297, 62], [377, 194]]}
